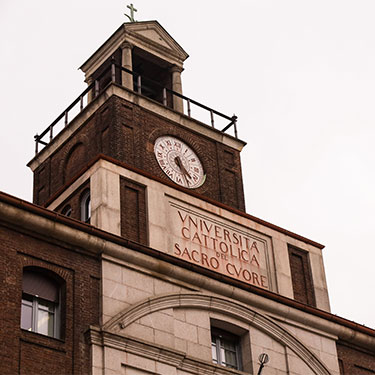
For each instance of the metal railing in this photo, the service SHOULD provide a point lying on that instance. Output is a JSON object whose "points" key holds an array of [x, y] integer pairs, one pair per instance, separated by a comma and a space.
{"points": [[142, 87], [48, 133]]}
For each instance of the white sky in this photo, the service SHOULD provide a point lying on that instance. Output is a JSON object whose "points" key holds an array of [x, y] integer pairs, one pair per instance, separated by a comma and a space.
{"points": [[300, 75]]}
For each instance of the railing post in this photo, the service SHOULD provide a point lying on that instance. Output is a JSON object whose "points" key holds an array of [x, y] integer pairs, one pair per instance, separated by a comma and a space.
{"points": [[50, 133], [164, 96], [113, 70], [188, 108], [212, 118], [36, 137], [139, 84], [234, 119], [81, 103], [66, 118]]}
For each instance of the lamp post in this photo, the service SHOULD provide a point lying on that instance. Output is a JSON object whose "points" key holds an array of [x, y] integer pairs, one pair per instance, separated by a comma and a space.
{"points": [[263, 359]]}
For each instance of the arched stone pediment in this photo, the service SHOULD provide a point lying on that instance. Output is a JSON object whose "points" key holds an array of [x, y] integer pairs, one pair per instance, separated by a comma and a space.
{"points": [[223, 306]]}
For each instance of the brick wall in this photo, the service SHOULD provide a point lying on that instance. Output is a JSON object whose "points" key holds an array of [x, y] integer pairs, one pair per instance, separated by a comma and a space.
{"points": [[355, 361], [27, 352], [90, 140]]}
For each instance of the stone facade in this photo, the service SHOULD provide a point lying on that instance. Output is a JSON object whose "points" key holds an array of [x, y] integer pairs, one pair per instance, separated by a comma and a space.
{"points": [[156, 311], [180, 323], [184, 311], [177, 221]]}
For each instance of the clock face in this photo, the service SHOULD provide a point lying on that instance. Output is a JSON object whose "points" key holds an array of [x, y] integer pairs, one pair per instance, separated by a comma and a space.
{"points": [[179, 162]]}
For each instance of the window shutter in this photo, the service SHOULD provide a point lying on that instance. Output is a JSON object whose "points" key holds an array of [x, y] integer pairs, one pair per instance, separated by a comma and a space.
{"points": [[36, 284]]}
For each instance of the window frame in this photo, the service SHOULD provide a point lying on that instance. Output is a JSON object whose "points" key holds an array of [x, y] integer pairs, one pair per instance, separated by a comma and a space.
{"points": [[220, 337], [85, 205], [37, 306], [67, 210]]}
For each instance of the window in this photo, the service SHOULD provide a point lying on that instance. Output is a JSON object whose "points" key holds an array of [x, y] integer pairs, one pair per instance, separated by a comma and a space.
{"points": [[225, 349], [40, 308], [67, 211], [86, 206]]}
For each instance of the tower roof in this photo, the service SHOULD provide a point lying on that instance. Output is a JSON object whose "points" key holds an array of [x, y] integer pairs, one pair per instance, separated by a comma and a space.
{"points": [[149, 36]]}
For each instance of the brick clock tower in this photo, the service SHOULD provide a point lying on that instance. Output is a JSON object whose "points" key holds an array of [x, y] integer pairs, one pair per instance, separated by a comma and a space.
{"points": [[134, 127]]}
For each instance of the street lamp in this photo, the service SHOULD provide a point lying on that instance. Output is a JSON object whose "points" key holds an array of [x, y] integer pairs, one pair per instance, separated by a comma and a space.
{"points": [[263, 359]]}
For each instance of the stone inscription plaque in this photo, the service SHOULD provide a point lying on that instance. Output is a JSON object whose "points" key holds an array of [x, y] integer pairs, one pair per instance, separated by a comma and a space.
{"points": [[217, 244]]}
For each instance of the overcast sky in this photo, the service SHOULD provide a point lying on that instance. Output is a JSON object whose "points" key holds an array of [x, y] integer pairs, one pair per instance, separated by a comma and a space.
{"points": [[300, 76]]}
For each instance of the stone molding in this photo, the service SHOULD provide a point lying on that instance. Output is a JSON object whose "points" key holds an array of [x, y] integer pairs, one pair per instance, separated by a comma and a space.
{"points": [[171, 55], [224, 306], [176, 69], [138, 27], [88, 80], [126, 44], [158, 353]]}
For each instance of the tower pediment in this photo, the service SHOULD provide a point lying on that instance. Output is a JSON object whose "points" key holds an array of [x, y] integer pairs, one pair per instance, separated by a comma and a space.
{"points": [[152, 32], [148, 36]]}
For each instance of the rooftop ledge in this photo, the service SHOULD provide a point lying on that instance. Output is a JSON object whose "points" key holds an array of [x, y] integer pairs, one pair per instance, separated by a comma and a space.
{"points": [[65, 128]]}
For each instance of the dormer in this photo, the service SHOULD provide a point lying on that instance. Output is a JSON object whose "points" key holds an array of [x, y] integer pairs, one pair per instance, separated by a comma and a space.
{"points": [[146, 59]]}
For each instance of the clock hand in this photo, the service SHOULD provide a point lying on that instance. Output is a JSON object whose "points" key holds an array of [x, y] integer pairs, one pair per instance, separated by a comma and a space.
{"points": [[178, 161], [181, 166]]}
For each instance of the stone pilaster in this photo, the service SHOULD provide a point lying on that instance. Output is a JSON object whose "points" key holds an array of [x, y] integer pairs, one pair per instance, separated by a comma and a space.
{"points": [[126, 78], [91, 93], [177, 87], [105, 201]]}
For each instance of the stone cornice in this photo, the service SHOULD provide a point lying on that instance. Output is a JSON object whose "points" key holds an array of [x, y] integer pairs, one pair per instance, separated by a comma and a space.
{"points": [[162, 51], [188, 191]]}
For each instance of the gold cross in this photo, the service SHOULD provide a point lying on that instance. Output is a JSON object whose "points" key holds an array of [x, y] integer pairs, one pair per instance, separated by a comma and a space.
{"points": [[132, 10]]}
